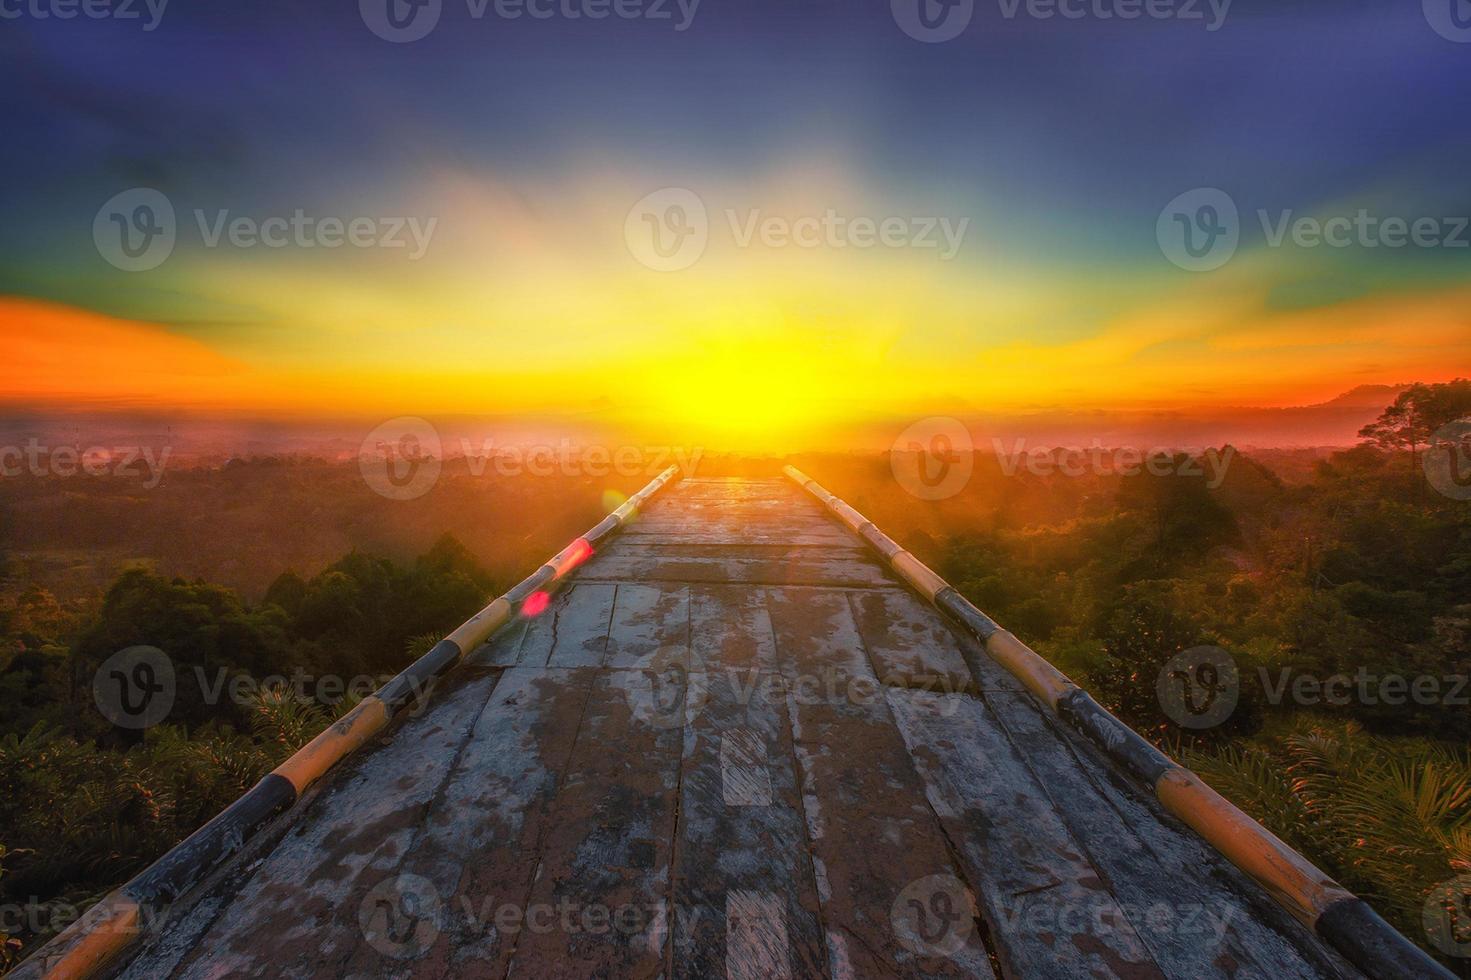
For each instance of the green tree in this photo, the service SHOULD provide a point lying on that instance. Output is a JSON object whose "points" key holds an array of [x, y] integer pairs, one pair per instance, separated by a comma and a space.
{"points": [[1416, 413]]}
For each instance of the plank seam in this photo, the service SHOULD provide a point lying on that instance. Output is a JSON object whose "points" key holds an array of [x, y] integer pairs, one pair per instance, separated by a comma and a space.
{"points": [[799, 774], [541, 827], [1081, 839], [677, 830], [983, 925]]}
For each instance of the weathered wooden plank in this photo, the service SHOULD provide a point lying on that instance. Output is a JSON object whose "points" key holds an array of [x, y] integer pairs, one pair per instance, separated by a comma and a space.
{"points": [[476, 857], [740, 489], [503, 649], [599, 905], [751, 497], [745, 899], [307, 892], [819, 649], [663, 548], [909, 642], [1197, 914], [648, 620], [800, 567], [675, 525], [730, 630], [893, 902], [750, 535], [573, 631], [1049, 912]]}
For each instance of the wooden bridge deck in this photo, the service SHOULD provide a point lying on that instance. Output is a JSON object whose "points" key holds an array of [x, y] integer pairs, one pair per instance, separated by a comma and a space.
{"points": [[735, 745]]}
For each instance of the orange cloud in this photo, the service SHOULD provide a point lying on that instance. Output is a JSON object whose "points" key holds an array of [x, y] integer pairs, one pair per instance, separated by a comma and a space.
{"points": [[56, 355]]}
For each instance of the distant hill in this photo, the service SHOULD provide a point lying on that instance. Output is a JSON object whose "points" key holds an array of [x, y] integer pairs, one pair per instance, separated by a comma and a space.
{"points": [[1331, 424]]}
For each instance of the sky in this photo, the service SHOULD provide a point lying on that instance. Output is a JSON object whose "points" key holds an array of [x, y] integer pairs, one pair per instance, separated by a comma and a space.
{"points": [[671, 217]]}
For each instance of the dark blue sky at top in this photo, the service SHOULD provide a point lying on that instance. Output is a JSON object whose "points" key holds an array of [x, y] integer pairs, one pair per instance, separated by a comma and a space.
{"points": [[1081, 128]]}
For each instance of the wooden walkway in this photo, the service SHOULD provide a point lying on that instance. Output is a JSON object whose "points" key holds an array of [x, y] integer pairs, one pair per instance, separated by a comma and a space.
{"points": [[735, 745]]}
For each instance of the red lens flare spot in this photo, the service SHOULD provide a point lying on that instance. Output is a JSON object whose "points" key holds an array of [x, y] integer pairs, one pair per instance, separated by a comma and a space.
{"points": [[536, 603], [577, 552]]}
